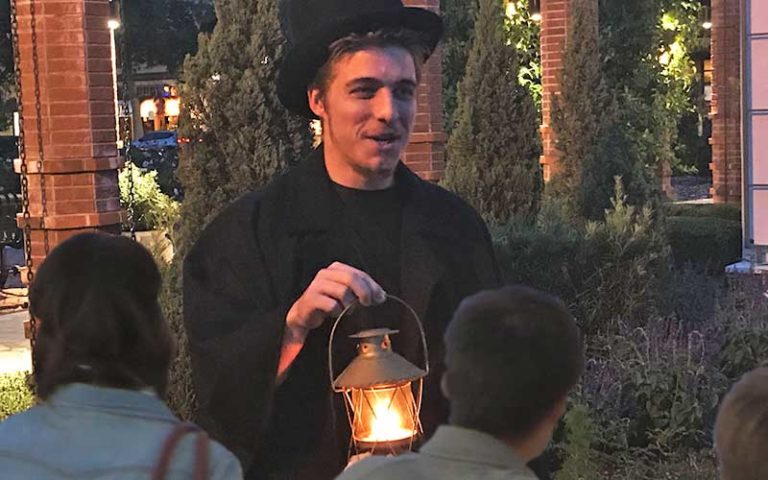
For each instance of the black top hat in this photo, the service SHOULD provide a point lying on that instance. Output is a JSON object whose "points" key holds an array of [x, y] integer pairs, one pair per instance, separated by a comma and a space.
{"points": [[311, 26]]}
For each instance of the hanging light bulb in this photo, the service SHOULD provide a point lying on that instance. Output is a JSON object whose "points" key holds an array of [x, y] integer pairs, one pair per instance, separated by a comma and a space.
{"points": [[534, 9], [706, 17]]}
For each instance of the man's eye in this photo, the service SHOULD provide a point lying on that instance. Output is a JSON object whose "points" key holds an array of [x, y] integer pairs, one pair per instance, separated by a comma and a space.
{"points": [[363, 92], [405, 93]]}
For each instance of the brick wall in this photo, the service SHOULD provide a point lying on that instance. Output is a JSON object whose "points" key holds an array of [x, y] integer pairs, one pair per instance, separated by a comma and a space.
{"points": [[554, 22], [76, 118], [726, 101], [425, 155]]}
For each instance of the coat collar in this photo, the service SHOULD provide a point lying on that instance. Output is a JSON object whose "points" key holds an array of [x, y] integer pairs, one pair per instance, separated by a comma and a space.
{"points": [[313, 204], [113, 400], [456, 443]]}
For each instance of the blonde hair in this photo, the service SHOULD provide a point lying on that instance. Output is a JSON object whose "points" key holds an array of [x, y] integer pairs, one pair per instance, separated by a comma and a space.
{"points": [[410, 40], [741, 429]]}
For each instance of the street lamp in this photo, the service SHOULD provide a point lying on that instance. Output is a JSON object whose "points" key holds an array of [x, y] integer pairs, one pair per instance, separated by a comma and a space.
{"points": [[382, 390], [534, 8], [113, 25], [706, 17]]}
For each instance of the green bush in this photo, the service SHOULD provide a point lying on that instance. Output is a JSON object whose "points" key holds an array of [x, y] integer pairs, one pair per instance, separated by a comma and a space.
{"points": [[15, 394], [725, 211], [579, 460], [607, 272], [708, 242], [152, 209], [743, 317], [494, 148]]}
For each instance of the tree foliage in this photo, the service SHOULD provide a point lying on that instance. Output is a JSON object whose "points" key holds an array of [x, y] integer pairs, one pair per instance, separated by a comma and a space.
{"points": [[241, 136], [493, 152], [163, 32]]}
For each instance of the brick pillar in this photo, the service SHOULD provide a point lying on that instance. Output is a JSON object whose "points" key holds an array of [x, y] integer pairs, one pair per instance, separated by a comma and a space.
{"points": [[425, 155], [554, 22], [725, 109], [77, 119]]}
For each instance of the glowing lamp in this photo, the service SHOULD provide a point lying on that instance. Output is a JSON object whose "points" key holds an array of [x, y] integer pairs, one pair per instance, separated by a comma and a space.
{"points": [[382, 391], [534, 9]]}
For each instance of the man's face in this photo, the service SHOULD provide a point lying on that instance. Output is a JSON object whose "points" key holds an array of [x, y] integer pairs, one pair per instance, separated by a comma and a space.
{"points": [[367, 111]]}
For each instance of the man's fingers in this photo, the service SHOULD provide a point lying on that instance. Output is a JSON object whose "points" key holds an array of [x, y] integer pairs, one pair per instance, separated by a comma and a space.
{"points": [[365, 288], [337, 290]]}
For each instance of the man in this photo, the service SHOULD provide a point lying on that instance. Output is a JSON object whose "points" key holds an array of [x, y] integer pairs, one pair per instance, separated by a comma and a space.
{"points": [[741, 429], [349, 223], [512, 356]]}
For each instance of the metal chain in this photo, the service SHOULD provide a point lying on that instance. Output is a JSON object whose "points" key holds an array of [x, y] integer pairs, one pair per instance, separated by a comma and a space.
{"points": [[127, 164], [24, 167], [22, 151], [39, 125]]}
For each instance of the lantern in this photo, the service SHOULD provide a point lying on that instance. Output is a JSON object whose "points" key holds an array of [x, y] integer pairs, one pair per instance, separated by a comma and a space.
{"points": [[382, 390]]}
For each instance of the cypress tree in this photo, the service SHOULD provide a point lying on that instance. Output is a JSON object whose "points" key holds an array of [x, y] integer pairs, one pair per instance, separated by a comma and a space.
{"points": [[576, 112], [590, 127], [240, 137], [493, 151]]}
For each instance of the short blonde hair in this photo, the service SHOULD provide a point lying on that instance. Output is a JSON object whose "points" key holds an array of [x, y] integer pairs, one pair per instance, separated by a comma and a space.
{"points": [[412, 41], [741, 429]]}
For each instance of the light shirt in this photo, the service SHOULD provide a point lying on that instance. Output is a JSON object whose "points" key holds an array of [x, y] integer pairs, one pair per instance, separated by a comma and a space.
{"points": [[451, 453]]}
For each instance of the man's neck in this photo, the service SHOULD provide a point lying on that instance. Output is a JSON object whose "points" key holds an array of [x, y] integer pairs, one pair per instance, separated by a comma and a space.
{"points": [[531, 446], [343, 174]]}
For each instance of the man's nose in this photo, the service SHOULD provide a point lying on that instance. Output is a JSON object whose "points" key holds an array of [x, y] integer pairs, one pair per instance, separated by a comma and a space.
{"points": [[385, 106]]}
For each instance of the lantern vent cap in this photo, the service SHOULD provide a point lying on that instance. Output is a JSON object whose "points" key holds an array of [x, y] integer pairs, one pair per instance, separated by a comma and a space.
{"points": [[376, 365]]}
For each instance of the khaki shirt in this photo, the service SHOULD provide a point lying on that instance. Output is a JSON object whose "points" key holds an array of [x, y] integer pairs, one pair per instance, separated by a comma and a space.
{"points": [[452, 453]]}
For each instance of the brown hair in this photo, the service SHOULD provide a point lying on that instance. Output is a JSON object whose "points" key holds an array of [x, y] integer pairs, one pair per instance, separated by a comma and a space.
{"points": [[741, 429], [511, 355], [410, 40], [95, 297]]}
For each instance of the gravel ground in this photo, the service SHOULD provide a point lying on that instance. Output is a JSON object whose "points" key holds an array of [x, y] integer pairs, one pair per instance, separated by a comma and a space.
{"points": [[691, 187]]}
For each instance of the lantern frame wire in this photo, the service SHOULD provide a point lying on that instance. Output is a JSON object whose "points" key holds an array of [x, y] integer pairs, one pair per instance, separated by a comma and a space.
{"points": [[393, 446]]}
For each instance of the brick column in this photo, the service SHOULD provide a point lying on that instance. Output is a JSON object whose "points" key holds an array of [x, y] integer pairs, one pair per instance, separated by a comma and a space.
{"points": [[77, 118], [425, 155], [725, 109], [554, 22]]}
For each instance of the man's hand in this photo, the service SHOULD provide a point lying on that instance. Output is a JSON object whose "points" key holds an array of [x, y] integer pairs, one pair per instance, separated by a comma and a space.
{"points": [[332, 289]]}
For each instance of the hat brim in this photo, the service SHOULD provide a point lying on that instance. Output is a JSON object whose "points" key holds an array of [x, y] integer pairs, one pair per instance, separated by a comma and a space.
{"points": [[303, 59]]}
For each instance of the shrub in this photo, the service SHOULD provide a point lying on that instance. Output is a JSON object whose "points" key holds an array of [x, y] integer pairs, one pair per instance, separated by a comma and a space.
{"points": [[725, 211], [493, 152], [152, 209], [607, 272], [15, 394], [743, 317], [579, 457], [708, 242]]}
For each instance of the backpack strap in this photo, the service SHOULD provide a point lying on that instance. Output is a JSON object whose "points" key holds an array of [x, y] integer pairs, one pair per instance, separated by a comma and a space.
{"points": [[169, 446]]}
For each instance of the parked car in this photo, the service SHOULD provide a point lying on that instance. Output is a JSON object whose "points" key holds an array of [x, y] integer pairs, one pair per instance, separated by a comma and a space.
{"points": [[156, 140], [164, 161]]}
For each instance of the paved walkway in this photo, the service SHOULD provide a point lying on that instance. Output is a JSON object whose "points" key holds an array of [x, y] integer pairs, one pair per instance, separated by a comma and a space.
{"points": [[14, 348]]}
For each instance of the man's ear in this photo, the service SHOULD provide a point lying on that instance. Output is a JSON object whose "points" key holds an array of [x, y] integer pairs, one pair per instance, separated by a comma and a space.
{"points": [[444, 386], [316, 103], [559, 409]]}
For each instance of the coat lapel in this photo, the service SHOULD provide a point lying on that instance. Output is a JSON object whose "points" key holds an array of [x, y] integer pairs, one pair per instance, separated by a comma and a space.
{"points": [[420, 268]]}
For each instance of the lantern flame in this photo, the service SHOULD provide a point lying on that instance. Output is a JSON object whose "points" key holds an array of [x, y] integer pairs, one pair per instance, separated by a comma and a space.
{"points": [[387, 423]]}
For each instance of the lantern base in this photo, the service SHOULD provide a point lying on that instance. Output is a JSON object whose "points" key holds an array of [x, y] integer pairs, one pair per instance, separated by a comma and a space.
{"points": [[394, 447]]}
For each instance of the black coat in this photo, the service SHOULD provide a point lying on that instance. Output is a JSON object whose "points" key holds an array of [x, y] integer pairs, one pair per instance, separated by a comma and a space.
{"points": [[257, 257]]}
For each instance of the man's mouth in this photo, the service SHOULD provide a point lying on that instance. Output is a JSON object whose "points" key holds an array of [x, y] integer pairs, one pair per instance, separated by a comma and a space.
{"points": [[384, 138]]}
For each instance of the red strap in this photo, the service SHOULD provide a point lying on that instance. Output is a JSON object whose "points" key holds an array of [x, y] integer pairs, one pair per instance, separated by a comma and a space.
{"points": [[201, 452]]}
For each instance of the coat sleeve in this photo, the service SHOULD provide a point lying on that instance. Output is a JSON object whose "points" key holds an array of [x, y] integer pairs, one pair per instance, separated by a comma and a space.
{"points": [[483, 255], [234, 329]]}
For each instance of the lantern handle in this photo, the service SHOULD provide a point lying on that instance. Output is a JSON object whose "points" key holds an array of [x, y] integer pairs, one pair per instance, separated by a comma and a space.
{"points": [[353, 304]]}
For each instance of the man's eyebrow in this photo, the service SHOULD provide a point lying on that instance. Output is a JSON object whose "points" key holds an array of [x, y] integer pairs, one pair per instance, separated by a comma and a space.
{"points": [[375, 81], [364, 81]]}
